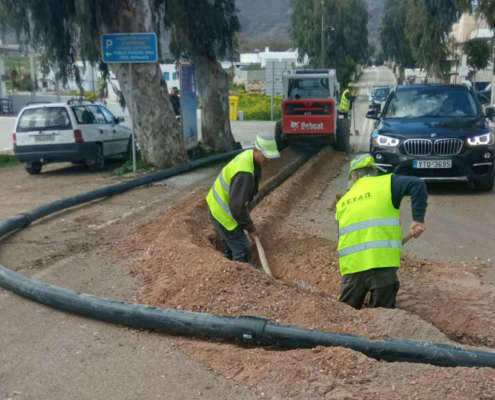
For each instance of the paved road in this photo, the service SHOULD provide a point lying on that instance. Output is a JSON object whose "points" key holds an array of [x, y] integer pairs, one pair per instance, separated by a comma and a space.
{"points": [[379, 76], [460, 223]]}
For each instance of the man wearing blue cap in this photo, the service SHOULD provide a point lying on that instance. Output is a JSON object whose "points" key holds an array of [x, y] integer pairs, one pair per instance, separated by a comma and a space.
{"points": [[370, 234], [230, 194]]}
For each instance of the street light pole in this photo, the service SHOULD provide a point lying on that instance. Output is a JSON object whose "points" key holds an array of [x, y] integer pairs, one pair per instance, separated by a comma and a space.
{"points": [[322, 38]]}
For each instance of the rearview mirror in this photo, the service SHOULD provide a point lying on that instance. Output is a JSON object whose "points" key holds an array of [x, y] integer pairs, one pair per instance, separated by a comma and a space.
{"points": [[490, 113], [118, 120], [373, 114]]}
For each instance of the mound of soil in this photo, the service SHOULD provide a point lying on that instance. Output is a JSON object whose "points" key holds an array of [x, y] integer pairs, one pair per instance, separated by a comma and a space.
{"points": [[178, 260]]}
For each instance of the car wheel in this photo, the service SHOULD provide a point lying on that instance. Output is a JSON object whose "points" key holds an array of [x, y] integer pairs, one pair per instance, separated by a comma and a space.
{"points": [[485, 185], [280, 138], [342, 141], [33, 167], [98, 163]]}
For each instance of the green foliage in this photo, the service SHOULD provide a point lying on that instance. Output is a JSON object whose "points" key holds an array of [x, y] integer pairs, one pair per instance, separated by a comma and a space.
{"points": [[393, 36], [126, 167], [344, 33], [7, 160], [17, 73], [487, 8], [428, 24], [478, 53], [257, 106], [62, 31], [204, 27]]}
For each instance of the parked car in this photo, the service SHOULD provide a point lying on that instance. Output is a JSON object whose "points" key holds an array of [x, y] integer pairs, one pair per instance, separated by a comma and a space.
{"points": [[77, 131], [378, 97], [436, 132]]}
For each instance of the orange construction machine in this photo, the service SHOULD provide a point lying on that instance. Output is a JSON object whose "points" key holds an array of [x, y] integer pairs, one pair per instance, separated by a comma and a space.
{"points": [[309, 110]]}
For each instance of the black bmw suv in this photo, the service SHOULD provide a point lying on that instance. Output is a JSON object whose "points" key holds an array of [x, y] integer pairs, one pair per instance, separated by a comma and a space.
{"points": [[436, 132]]}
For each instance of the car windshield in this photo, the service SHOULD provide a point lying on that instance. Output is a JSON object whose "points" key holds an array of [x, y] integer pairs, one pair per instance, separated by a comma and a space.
{"points": [[431, 102], [381, 93], [309, 88], [43, 118]]}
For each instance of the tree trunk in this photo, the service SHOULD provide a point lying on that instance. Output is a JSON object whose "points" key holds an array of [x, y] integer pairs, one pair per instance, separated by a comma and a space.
{"points": [[213, 89], [402, 74], [157, 131]]}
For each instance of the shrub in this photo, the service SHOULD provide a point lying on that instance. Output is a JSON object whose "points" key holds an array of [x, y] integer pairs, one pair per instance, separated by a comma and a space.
{"points": [[256, 106]]}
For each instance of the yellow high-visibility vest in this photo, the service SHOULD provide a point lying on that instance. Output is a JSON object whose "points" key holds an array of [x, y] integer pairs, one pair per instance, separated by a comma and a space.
{"points": [[218, 197], [370, 235], [345, 104]]}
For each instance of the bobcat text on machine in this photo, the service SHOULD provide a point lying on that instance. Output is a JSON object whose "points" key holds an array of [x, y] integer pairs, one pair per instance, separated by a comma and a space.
{"points": [[309, 109]]}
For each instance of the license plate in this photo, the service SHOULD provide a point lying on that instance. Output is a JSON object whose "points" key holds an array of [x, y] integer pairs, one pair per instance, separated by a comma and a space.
{"points": [[43, 138], [432, 164]]}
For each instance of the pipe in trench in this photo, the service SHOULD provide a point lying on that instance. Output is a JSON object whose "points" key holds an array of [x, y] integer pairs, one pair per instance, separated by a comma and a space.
{"points": [[249, 330]]}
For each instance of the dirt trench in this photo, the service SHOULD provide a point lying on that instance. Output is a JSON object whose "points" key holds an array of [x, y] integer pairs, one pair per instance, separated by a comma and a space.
{"points": [[176, 259]]}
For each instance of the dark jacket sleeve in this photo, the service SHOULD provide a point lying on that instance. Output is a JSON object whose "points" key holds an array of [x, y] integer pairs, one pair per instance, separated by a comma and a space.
{"points": [[410, 186], [242, 189]]}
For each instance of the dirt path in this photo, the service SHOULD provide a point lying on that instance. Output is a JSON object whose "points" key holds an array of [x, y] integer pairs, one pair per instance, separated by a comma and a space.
{"points": [[178, 262], [155, 245], [46, 354]]}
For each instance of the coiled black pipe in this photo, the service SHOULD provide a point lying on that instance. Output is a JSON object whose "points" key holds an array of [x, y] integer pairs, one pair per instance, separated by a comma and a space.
{"points": [[250, 330], [23, 220]]}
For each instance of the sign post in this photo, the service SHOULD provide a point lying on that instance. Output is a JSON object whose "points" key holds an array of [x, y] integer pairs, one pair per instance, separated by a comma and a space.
{"points": [[129, 48]]}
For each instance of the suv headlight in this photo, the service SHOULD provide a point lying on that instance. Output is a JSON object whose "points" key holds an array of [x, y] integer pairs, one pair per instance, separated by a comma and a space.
{"points": [[385, 141], [481, 140]]}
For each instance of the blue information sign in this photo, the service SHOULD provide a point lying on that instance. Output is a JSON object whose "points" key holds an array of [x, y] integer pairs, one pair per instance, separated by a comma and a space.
{"points": [[129, 48]]}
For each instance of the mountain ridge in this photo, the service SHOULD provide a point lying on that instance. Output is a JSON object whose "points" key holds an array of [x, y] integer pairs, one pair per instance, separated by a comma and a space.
{"points": [[270, 19]]}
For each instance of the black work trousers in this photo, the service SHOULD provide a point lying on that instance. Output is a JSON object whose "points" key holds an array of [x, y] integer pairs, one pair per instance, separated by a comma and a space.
{"points": [[235, 242], [382, 283]]}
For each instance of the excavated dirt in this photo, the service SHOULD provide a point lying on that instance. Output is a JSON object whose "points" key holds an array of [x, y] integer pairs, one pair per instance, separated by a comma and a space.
{"points": [[177, 259]]}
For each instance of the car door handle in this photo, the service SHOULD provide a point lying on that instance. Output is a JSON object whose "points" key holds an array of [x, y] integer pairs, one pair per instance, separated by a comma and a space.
{"points": [[101, 131], [114, 131]]}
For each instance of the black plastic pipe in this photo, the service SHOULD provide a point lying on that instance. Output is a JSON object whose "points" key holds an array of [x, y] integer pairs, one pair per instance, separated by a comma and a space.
{"points": [[248, 330], [251, 330]]}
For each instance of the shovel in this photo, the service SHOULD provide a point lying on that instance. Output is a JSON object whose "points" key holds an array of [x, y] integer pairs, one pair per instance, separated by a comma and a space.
{"points": [[261, 253]]}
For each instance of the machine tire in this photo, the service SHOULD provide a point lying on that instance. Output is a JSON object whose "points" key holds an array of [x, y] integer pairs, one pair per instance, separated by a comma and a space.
{"points": [[343, 135], [34, 167], [280, 137]]}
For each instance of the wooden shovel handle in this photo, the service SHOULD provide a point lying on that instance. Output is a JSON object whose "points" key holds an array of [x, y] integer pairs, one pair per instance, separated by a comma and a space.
{"points": [[261, 253]]}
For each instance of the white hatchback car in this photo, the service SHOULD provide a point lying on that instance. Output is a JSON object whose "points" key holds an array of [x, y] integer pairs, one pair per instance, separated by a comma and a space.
{"points": [[77, 131]]}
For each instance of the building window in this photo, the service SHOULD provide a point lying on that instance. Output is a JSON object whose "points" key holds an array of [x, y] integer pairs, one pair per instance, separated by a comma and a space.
{"points": [[167, 76], [174, 76]]}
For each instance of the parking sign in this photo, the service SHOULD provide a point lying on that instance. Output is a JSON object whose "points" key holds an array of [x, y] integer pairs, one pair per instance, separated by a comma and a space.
{"points": [[129, 48]]}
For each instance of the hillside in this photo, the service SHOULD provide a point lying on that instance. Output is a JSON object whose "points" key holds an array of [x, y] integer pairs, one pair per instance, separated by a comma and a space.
{"points": [[262, 19]]}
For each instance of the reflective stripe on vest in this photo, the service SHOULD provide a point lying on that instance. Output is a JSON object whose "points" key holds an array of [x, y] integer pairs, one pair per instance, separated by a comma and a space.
{"points": [[369, 224], [345, 104], [366, 243], [218, 198]]}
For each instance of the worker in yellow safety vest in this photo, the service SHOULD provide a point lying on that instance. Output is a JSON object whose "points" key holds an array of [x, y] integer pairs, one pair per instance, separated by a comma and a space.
{"points": [[370, 234], [233, 189], [347, 100]]}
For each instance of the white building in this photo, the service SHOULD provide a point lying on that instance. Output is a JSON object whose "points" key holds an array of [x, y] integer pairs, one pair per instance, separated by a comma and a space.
{"points": [[470, 27], [171, 75], [291, 56]]}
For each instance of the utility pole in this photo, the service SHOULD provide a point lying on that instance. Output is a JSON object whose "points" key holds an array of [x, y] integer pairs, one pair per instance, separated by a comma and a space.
{"points": [[322, 39]]}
